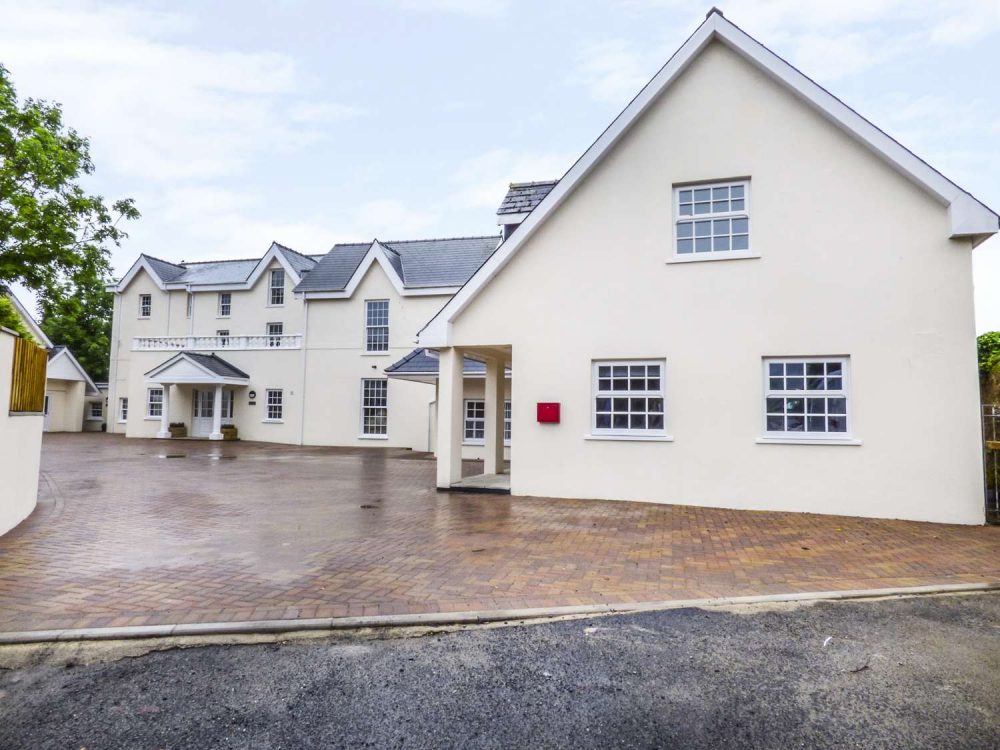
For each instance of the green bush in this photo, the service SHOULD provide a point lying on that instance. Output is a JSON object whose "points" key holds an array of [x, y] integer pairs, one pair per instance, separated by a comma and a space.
{"points": [[9, 318], [989, 352]]}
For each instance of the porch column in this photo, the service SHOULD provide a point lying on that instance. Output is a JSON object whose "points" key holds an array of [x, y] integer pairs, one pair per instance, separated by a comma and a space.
{"points": [[493, 463], [165, 413], [217, 415], [449, 423]]}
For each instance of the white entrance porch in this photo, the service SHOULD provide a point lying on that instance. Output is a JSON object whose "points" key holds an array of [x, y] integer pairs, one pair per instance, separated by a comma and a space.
{"points": [[212, 400]]}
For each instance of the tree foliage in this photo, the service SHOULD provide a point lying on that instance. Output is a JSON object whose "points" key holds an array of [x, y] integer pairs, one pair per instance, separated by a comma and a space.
{"points": [[9, 318], [54, 236], [989, 352]]}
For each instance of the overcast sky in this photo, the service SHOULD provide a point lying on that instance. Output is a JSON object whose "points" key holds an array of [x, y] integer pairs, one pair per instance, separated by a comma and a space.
{"points": [[233, 124]]}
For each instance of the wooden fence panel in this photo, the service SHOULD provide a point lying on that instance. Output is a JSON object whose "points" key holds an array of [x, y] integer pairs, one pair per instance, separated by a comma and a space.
{"points": [[27, 393]]}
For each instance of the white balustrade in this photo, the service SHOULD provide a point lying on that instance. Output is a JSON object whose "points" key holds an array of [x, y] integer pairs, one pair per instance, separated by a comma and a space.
{"points": [[215, 343]]}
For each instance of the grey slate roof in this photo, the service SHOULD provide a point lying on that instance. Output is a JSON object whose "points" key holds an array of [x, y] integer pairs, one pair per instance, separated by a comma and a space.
{"points": [[216, 365], [166, 271], [522, 197], [418, 263], [419, 362], [55, 350], [225, 271]]}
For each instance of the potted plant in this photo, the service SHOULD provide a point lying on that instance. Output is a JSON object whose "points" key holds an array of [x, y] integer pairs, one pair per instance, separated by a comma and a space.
{"points": [[178, 430], [229, 432]]}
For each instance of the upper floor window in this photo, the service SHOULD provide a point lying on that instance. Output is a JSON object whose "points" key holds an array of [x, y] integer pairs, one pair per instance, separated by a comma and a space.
{"points": [[628, 398], [145, 305], [190, 304], [274, 333], [277, 288], [225, 304], [377, 325], [806, 397], [712, 219]]}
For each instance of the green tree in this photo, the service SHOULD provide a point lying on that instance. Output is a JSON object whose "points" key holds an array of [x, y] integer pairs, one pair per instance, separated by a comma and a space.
{"points": [[79, 316], [989, 352], [9, 317], [54, 236]]}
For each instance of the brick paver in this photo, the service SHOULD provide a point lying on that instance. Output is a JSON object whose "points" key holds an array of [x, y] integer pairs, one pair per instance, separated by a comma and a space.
{"points": [[132, 532]]}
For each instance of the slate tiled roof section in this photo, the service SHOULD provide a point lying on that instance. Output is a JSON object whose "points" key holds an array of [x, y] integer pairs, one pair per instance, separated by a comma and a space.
{"points": [[419, 362], [418, 263], [522, 197], [335, 268], [55, 350], [225, 271], [216, 365], [166, 271]]}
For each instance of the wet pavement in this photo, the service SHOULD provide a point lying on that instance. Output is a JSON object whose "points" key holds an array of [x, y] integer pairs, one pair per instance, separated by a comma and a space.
{"points": [[133, 532]]}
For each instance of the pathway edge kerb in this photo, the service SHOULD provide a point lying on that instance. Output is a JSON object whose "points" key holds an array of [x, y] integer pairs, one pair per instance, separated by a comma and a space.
{"points": [[459, 618]]}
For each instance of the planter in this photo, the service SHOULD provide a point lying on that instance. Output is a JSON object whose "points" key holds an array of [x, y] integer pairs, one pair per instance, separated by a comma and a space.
{"points": [[179, 430], [229, 432]]}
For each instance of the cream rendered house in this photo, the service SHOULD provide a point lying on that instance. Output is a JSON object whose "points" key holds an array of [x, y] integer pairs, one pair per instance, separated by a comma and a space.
{"points": [[754, 299], [288, 348]]}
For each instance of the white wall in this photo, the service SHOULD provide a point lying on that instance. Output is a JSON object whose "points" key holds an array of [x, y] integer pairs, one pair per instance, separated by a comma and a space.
{"points": [[20, 449], [854, 260], [66, 404], [336, 363]]}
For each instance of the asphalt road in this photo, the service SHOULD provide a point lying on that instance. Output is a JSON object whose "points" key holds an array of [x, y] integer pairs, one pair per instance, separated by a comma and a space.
{"points": [[910, 673]]}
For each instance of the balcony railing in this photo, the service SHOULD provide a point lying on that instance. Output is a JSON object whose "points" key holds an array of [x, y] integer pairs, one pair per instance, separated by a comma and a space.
{"points": [[215, 343]]}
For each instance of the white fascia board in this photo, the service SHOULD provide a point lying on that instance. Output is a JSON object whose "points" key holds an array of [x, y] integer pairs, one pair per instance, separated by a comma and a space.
{"points": [[511, 218], [272, 253], [29, 321], [91, 389], [141, 264], [428, 291], [214, 380], [970, 218]]}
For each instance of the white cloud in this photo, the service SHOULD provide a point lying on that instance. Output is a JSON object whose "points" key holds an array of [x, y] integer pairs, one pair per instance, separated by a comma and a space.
{"points": [[615, 70], [476, 8], [481, 181]]}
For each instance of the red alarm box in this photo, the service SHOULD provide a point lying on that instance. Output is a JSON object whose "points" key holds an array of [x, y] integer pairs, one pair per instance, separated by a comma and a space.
{"points": [[548, 412]]}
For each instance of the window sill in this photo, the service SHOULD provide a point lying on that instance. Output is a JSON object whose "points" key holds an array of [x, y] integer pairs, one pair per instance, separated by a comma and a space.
{"points": [[376, 354], [806, 441], [373, 437], [95, 419], [151, 419], [272, 421], [122, 421], [482, 443], [632, 438], [700, 257]]}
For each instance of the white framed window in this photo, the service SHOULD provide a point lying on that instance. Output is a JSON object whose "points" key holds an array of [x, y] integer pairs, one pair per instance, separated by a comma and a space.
{"points": [[223, 336], [123, 409], [225, 304], [474, 431], [374, 407], [274, 333], [277, 287], [274, 405], [628, 398], [712, 220], [96, 410], [154, 403], [145, 305], [474, 428], [806, 398], [190, 304], [377, 325]]}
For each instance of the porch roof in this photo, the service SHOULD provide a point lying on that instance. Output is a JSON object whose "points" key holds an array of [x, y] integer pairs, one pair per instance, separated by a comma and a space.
{"points": [[423, 365], [195, 368]]}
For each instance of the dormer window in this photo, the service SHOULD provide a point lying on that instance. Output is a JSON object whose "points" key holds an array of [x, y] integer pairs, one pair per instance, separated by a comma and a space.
{"points": [[277, 287], [712, 220]]}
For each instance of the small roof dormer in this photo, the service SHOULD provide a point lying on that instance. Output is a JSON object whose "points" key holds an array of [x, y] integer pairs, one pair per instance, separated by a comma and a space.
{"points": [[521, 199]]}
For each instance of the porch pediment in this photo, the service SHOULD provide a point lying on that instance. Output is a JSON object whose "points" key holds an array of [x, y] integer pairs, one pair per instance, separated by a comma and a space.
{"points": [[197, 369]]}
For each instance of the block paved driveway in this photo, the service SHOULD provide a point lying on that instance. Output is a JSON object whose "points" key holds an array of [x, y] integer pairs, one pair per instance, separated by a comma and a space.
{"points": [[131, 532]]}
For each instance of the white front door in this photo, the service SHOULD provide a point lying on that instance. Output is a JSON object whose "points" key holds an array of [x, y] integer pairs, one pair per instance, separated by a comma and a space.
{"points": [[201, 420]]}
